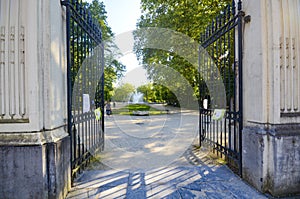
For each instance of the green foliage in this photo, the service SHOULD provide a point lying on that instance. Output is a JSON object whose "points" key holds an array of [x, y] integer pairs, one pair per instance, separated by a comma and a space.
{"points": [[128, 110], [113, 69], [158, 93], [148, 91], [138, 107], [189, 17], [121, 93], [98, 12]]}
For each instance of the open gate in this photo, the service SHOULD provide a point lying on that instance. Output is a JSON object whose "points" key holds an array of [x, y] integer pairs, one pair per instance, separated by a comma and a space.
{"points": [[222, 41], [85, 72]]}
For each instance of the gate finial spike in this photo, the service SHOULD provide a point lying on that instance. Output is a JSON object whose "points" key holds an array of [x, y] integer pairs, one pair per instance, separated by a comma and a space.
{"points": [[240, 5], [228, 12], [233, 7]]}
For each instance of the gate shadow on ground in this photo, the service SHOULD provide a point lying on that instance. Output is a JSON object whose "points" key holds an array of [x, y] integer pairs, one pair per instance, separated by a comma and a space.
{"points": [[194, 175]]}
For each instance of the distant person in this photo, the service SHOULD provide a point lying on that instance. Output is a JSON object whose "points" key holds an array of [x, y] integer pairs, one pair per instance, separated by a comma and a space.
{"points": [[108, 108], [93, 104]]}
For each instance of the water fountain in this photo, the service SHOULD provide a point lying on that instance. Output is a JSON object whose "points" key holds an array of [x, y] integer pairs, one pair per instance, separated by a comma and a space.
{"points": [[137, 98]]}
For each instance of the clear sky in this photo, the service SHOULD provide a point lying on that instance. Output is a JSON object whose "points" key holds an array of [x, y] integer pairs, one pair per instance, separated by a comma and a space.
{"points": [[122, 16]]}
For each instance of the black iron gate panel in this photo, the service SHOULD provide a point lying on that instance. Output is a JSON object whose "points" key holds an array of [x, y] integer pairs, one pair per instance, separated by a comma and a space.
{"points": [[85, 64], [222, 41]]}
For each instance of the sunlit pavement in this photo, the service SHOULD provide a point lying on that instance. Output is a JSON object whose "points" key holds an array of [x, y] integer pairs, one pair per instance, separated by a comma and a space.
{"points": [[192, 175]]}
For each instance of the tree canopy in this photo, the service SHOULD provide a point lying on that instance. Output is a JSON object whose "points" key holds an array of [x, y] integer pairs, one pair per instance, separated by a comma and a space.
{"points": [[157, 93], [113, 69], [189, 17], [122, 93]]}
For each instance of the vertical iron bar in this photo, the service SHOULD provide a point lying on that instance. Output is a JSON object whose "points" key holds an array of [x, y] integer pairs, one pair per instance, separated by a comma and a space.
{"points": [[240, 64], [84, 89], [66, 3], [212, 74], [84, 115], [224, 54], [232, 78], [199, 100], [233, 114], [102, 88], [80, 87], [91, 79], [69, 85]]}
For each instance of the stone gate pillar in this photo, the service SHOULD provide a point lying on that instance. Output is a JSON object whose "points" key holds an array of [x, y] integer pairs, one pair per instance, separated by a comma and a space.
{"points": [[34, 144], [271, 137]]}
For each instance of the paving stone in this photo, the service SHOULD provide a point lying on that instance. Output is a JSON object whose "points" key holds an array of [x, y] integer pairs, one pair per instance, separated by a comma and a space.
{"points": [[218, 195], [108, 192], [91, 179], [78, 193], [193, 194], [193, 186], [136, 193], [172, 195], [162, 191], [193, 175]]}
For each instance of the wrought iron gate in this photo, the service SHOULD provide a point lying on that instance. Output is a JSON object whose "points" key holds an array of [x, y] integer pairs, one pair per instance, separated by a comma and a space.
{"points": [[85, 69], [222, 41]]}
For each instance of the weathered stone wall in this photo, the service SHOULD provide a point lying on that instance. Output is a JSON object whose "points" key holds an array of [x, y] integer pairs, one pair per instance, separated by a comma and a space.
{"points": [[271, 158], [58, 157], [34, 143], [271, 137], [22, 172], [285, 174], [41, 171]]}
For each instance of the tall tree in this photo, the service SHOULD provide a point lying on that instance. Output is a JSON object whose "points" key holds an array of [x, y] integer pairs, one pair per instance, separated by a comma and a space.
{"points": [[113, 69], [189, 17]]}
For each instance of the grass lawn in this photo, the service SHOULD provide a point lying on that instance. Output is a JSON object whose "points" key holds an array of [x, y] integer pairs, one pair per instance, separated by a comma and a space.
{"points": [[128, 110]]}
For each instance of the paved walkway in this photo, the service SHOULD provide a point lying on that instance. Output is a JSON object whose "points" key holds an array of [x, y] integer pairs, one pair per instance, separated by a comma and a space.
{"points": [[142, 165]]}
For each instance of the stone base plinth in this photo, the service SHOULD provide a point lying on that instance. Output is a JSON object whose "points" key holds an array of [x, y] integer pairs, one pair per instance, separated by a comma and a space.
{"points": [[34, 168], [271, 158]]}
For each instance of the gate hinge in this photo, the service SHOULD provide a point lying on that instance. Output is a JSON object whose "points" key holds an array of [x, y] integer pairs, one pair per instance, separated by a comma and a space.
{"points": [[247, 19]]}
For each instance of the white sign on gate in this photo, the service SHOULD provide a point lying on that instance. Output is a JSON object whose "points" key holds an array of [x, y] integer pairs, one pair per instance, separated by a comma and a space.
{"points": [[86, 103], [218, 114]]}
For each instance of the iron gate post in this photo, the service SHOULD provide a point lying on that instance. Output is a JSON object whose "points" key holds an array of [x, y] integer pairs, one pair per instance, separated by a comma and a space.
{"points": [[66, 3]]}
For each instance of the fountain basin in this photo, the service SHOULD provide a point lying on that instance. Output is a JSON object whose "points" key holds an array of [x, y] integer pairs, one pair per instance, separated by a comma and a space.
{"points": [[140, 113]]}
